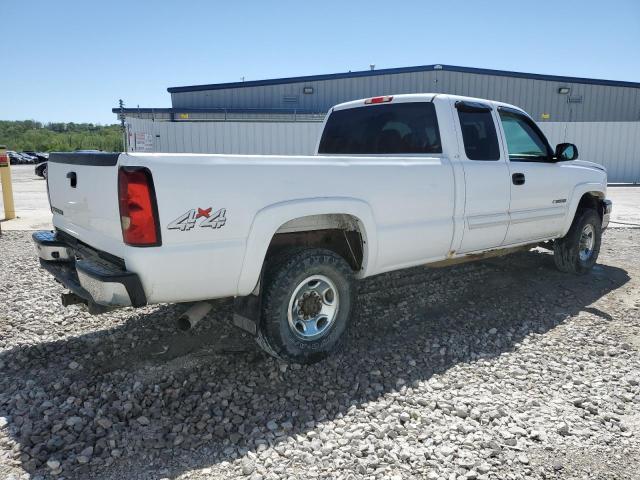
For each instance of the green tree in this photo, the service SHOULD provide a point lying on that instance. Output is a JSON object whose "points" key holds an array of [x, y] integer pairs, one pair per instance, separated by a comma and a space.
{"points": [[33, 135]]}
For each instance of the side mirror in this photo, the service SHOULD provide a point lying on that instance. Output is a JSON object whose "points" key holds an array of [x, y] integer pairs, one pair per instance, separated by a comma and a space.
{"points": [[566, 152]]}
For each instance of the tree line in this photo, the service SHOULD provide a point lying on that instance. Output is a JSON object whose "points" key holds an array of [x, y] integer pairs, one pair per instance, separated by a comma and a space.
{"points": [[59, 137]]}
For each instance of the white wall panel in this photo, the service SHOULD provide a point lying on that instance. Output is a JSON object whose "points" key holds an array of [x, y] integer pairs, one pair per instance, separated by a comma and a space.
{"points": [[616, 145], [269, 138]]}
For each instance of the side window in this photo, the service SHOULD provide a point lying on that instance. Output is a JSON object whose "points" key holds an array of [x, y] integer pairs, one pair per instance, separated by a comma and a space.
{"points": [[409, 127], [524, 141], [479, 135]]}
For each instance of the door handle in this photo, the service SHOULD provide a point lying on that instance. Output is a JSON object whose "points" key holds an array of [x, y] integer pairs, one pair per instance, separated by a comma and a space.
{"points": [[517, 178], [73, 179]]}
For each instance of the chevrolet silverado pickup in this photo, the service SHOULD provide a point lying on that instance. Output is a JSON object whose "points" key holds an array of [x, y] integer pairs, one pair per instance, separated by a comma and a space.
{"points": [[397, 181]]}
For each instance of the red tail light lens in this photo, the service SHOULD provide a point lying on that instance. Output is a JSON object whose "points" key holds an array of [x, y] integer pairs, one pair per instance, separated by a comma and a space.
{"points": [[138, 209]]}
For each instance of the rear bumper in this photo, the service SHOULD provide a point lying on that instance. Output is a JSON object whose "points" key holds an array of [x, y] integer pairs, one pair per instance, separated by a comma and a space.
{"points": [[607, 206], [87, 273]]}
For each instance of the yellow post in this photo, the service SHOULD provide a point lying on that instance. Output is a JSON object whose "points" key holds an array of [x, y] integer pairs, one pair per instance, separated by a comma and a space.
{"points": [[7, 189]]}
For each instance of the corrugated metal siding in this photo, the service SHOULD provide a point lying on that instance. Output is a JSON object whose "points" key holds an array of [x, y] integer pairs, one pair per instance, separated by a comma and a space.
{"points": [[599, 102], [616, 145], [267, 138]]}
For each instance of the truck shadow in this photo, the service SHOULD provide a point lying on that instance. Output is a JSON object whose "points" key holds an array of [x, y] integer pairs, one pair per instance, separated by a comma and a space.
{"points": [[155, 403]]}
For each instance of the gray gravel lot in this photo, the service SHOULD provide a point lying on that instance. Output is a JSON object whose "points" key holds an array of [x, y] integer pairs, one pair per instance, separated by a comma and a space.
{"points": [[502, 369]]}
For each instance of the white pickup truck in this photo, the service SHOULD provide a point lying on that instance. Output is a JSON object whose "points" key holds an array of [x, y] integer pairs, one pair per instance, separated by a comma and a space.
{"points": [[398, 181]]}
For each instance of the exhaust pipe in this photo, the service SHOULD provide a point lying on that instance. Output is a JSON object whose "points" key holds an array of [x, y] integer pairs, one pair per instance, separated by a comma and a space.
{"points": [[191, 317]]}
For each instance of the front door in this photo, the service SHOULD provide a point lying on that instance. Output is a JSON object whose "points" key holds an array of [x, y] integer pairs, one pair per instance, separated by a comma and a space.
{"points": [[486, 174], [540, 188]]}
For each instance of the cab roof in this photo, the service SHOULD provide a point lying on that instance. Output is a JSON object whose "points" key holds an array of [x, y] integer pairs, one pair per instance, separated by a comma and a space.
{"points": [[422, 97]]}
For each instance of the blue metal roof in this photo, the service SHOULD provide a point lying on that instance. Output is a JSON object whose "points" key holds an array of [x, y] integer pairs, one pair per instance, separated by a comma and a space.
{"points": [[391, 71]]}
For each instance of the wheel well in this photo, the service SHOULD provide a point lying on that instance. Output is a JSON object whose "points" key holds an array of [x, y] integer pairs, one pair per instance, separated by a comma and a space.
{"points": [[339, 233], [591, 200]]}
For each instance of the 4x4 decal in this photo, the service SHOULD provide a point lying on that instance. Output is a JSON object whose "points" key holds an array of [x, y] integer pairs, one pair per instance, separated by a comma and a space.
{"points": [[188, 220]]}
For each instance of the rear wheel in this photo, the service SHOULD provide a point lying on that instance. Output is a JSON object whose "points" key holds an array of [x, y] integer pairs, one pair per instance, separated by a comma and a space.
{"points": [[307, 299], [578, 250]]}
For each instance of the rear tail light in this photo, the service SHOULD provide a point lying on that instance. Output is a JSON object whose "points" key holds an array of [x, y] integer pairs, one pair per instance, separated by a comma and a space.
{"points": [[385, 99], [138, 208]]}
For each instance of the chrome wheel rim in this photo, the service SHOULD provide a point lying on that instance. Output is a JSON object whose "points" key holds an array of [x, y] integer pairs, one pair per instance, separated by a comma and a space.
{"points": [[313, 307], [587, 240]]}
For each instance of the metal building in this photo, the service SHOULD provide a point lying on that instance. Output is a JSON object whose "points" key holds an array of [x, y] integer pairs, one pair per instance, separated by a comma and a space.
{"points": [[601, 116]]}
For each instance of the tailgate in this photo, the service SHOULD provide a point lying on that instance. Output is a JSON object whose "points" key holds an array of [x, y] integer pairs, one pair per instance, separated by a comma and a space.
{"points": [[83, 192]]}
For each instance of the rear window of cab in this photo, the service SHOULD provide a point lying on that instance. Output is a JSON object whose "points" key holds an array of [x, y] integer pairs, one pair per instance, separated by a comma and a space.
{"points": [[389, 128]]}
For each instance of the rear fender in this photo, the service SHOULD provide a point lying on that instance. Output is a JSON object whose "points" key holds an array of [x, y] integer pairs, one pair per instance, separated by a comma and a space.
{"points": [[268, 220]]}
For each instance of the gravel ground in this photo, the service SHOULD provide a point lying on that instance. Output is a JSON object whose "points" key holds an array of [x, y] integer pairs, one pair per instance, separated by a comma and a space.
{"points": [[502, 369]]}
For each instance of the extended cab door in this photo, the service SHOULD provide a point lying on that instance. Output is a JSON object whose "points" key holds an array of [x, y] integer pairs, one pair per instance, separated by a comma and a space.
{"points": [[486, 176], [540, 188]]}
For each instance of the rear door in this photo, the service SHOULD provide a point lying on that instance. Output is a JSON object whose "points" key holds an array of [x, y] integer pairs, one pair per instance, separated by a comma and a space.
{"points": [[83, 192], [540, 188], [486, 174]]}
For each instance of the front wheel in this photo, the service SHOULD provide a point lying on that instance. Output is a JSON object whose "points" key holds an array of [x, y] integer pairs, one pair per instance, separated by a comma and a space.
{"points": [[578, 250], [307, 300]]}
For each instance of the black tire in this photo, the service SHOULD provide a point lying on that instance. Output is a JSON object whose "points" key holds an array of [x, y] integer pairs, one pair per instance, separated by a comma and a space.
{"points": [[286, 275], [566, 250]]}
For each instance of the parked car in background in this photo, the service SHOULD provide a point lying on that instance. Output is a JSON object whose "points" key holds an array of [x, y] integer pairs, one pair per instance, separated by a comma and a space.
{"points": [[28, 158], [39, 156], [41, 169], [15, 158]]}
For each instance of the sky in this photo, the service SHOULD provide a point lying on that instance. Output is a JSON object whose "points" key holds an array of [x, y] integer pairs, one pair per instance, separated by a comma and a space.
{"points": [[71, 60]]}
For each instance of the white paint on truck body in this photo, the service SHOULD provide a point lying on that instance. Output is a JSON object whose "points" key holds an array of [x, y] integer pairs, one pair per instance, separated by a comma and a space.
{"points": [[411, 209]]}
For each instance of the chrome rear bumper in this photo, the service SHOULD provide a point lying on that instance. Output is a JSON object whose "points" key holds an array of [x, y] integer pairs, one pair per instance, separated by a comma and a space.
{"points": [[98, 281], [49, 248]]}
